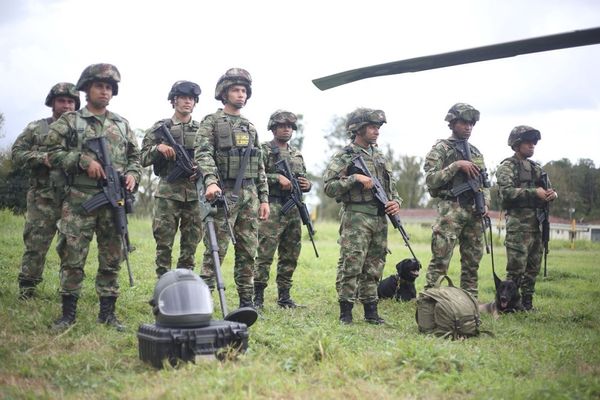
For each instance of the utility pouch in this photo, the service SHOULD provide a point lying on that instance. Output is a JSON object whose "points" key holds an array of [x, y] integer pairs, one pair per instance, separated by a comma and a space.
{"points": [[224, 135]]}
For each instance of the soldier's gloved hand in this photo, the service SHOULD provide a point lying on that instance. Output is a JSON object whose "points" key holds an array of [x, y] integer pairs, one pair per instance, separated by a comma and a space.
{"points": [[468, 168], [211, 191], [285, 183], [304, 184], [364, 180], [95, 170], [264, 211], [392, 208], [167, 151]]}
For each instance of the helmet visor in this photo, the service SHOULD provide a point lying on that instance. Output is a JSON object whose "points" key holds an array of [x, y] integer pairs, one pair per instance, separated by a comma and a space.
{"points": [[184, 298]]}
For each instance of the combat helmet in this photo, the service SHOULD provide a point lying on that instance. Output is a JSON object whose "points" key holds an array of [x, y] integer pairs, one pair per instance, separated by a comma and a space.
{"points": [[523, 133], [364, 116], [100, 72], [462, 111], [63, 89], [233, 76], [282, 117], [184, 88]]}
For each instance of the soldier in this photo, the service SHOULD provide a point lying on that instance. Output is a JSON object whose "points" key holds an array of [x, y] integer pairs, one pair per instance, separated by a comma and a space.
{"points": [[176, 204], [68, 147], [224, 141], [363, 229], [281, 232], [445, 168], [523, 194], [46, 187]]}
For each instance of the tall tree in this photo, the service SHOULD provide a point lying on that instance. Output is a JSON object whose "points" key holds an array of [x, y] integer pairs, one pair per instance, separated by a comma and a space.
{"points": [[409, 178]]}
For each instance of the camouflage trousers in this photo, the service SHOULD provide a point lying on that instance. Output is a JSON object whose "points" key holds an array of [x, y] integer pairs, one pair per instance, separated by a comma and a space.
{"points": [[77, 229], [363, 249], [524, 258], [244, 222], [43, 213], [170, 215], [282, 233], [453, 224]]}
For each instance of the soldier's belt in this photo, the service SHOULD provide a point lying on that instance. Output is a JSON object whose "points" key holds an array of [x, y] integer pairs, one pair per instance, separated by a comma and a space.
{"points": [[230, 183], [365, 208]]}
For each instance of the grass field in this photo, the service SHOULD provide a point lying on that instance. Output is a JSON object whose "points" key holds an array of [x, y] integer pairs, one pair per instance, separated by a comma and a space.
{"points": [[305, 353]]}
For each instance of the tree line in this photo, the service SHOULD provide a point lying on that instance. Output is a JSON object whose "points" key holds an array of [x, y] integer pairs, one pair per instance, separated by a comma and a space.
{"points": [[578, 184]]}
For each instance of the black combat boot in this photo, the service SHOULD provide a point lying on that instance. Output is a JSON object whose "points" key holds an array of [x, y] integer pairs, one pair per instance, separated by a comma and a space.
{"points": [[371, 315], [346, 312], [107, 316], [284, 300], [246, 301], [69, 309], [26, 290], [259, 295], [527, 301]]}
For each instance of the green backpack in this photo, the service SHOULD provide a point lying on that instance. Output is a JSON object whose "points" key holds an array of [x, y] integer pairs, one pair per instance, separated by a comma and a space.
{"points": [[447, 311]]}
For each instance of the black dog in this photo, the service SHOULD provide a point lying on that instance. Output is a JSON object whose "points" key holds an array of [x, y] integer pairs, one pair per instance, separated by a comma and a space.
{"points": [[508, 299], [402, 285]]}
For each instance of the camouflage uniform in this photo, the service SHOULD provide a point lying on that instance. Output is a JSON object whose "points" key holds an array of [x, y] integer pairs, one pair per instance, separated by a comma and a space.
{"points": [[363, 228], [456, 218], [176, 204], [45, 195], [518, 180], [220, 143], [281, 232]]}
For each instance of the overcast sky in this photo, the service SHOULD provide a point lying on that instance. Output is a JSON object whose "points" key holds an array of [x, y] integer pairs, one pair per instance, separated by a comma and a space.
{"points": [[286, 44]]}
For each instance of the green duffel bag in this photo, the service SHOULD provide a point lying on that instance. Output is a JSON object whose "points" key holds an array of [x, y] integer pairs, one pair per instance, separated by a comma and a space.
{"points": [[447, 311]]}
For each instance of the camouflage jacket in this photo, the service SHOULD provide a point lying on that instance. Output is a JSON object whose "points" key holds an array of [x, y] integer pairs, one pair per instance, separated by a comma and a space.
{"points": [[181, 189], [29, 152], [442, 172], [271, 154], [69, 151], [517, 184], [341, 184], [212, 157]]}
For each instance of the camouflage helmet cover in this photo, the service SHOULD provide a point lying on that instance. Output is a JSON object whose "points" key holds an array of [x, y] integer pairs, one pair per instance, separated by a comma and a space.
{"points": [[462, 111], [63, 89], [364, 116], [233, 76], [184, 88], [523, 133], [282, 117], [100, 72]]}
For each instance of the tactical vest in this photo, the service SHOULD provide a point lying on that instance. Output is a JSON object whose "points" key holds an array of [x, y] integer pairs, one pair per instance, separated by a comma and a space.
{"points": [[231, 140], [357, 193], [83, 131], [183, 134], [458, 178], [295, 163], [529, 175]]}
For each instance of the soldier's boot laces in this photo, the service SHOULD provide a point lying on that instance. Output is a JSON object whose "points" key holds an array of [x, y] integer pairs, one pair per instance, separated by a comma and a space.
{"points": [[527, 301], [284, 300], [259, 295], [69, 309], [371, 315], [26, 290], [107, 316], [346, 312]]}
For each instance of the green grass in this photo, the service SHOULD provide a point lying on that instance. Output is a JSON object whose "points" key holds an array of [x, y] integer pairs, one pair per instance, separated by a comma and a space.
{"points": [[305, 353]]}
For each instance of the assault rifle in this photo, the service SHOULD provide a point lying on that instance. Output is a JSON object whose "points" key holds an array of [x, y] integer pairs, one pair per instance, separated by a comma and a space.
{"points": [[543, 215], [184, 165], [113, 193], [476, 186], [295, 199], [381, 196]]}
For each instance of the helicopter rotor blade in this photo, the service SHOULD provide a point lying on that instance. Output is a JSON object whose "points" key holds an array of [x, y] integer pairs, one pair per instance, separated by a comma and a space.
{"points": [[495, 51]]}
